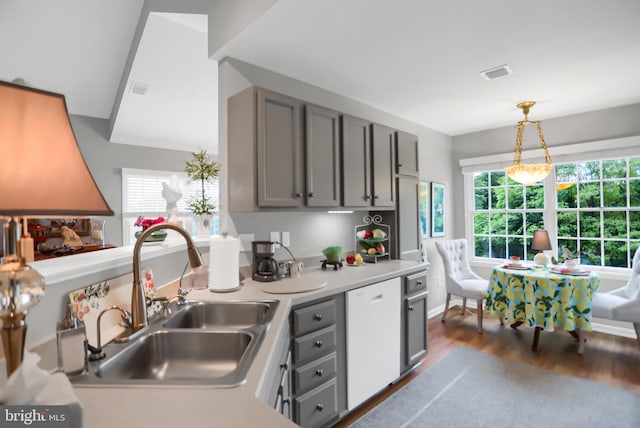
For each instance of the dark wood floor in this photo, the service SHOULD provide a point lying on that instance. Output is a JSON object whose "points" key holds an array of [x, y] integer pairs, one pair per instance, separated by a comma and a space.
{"points": [[608, 359]]}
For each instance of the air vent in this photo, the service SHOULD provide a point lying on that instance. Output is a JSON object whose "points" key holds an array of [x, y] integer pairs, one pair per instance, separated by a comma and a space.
{"points": [[497, 72], [138, 88]]}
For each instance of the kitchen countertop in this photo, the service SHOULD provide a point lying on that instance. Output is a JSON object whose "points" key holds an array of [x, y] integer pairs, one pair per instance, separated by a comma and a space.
{"points": [[199, 406]]}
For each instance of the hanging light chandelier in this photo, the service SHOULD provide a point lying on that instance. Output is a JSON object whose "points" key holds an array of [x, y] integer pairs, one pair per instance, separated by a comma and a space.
{"points": [[528, 173]]}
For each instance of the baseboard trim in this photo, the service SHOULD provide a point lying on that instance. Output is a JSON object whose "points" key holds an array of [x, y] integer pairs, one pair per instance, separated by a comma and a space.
{"points": [[599, 327]]}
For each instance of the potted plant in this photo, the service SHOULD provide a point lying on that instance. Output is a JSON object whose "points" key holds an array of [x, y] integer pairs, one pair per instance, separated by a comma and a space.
{"points": [[199, 168]]}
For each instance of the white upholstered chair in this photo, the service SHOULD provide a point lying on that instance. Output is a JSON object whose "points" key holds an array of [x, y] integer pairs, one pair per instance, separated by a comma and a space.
{"points": [[621, 304], [459, 278]]}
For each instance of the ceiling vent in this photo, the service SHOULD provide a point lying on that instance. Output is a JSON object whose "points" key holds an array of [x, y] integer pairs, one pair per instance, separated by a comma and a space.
{"points": [[497, 72], [138, 88]]}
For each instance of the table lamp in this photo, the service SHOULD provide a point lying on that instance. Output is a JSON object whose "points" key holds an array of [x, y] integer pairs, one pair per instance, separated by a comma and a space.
{"points": [[42, 173], [541, 243]]}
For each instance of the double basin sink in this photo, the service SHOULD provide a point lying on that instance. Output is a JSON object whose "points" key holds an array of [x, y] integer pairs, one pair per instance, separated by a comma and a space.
{"points": [[210, 344]]}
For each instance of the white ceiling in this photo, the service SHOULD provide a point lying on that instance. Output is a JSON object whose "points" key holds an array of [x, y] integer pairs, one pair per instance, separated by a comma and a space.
{"points": [[417, 59]]}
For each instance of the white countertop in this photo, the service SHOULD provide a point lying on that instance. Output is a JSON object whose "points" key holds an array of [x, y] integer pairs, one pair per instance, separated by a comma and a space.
{"points": [[198, 406]]}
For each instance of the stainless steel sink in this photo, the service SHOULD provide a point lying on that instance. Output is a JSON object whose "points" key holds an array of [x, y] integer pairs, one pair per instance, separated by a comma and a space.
{"points": [[239, 315], [208, 344], [179, 356]]}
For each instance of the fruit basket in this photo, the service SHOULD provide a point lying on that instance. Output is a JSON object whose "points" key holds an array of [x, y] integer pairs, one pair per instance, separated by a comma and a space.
{"points": [[372, 239]]}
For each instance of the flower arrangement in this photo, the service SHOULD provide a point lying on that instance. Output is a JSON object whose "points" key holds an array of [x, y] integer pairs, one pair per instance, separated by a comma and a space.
{"points": [[144, 223]]}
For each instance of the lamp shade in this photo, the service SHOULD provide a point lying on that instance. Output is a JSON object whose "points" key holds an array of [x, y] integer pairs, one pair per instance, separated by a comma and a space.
{"points": [[42, 171], [541, 241]]}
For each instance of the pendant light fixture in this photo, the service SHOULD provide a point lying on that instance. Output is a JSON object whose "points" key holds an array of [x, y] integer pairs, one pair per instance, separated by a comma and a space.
{"points": [[528, 173]]}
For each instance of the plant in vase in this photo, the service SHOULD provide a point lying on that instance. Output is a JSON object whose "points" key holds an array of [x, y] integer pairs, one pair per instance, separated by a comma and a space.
{"points": [[144, 223], [201, 169]]}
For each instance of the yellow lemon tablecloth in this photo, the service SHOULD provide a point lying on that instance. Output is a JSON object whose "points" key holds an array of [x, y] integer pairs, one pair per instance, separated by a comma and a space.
{"points": [[542, 298]]}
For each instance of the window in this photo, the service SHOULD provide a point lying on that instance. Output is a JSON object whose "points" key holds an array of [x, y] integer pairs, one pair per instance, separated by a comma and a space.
{"points": [[142, 196], [595, 212], [598, 210], [505, 215]]}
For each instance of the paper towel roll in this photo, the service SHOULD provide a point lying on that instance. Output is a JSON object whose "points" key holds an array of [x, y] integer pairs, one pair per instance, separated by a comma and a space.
{"points": [[224, 263]]}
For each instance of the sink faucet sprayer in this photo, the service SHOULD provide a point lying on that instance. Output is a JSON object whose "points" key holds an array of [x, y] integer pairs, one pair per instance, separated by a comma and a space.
{"points": [[138, 304]]}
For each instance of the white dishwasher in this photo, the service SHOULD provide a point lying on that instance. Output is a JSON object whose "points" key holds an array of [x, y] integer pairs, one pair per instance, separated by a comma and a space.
{"points": [[373, 339]]}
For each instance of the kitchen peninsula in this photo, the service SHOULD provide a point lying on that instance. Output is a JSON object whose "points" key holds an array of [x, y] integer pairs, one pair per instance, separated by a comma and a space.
{"points": [[250, 404]]}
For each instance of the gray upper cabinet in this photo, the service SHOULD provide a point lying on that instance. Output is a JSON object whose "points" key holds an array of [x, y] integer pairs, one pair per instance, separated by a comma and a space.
{"points": [[383, 165], [407, 152], [356, 162], [279, 150], [265, 151], [322, 154]]}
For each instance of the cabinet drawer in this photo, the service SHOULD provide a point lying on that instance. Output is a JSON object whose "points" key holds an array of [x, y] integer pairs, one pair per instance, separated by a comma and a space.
{"points": [[314, 373], [415, 282], [314, 345], [314, 317], [317, 406]]}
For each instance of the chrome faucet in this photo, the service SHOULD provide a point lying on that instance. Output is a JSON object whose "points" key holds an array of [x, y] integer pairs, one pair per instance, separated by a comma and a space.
{"points": [[139, 318], [98, 353]]}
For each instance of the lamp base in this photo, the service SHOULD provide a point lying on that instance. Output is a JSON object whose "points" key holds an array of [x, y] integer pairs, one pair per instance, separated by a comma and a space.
{"points": [[541, 259], [14, 332]]}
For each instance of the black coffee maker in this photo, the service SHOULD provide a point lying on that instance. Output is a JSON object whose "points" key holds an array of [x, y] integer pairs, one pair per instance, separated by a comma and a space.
{"points": [[264, 266]]}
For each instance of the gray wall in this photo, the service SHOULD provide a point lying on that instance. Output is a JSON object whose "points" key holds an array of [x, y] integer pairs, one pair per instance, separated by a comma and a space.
{"points": [[436, 164], [579, 128], [106, 160]]}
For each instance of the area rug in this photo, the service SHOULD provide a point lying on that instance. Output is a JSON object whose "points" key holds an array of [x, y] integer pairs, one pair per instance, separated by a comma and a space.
{"points": [[467, 388]]}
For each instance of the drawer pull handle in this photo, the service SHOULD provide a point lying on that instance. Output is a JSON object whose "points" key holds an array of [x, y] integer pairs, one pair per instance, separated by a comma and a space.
{"points": [[319, 343], [419, 282], [317, 317], [410, 307], [319, 372], [320, 407]]}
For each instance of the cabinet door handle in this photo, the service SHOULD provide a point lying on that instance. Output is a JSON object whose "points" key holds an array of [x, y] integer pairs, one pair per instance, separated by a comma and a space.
{"points": [[320, 407], [375, 197], [317, 317], [367, 197], [319, 343], [310, 194], [399, 165], [410, 307], [319, 372], [298, 195]]}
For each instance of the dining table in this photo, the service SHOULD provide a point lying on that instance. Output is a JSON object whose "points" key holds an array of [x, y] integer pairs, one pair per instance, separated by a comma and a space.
{"points": [[544, 298]]}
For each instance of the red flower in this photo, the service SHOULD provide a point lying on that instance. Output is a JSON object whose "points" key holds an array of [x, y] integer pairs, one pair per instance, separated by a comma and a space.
{"points": [[146, 222]]}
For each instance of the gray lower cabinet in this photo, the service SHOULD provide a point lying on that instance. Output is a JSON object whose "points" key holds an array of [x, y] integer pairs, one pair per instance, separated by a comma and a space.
{"points": [[317, 372], [322, 157], [414, 321]]}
